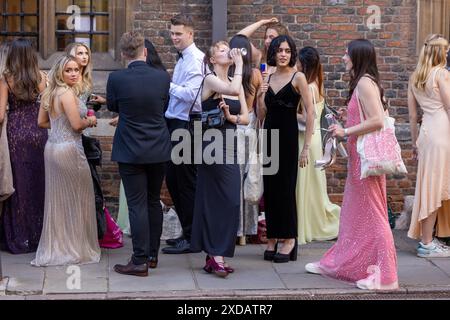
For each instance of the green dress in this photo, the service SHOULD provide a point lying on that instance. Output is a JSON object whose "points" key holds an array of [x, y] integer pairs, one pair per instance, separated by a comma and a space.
{"points": [[318, 218], [123, 220]]}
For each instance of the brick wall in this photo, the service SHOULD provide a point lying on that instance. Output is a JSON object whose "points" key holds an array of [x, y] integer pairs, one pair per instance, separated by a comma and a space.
{"points": [[152, 17], [327, 25]]}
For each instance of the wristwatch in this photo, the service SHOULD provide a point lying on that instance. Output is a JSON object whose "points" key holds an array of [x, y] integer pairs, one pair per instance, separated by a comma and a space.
{"points": [[345, 132]]}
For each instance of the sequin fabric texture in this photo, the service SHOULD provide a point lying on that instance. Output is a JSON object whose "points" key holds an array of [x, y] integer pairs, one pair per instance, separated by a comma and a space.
{"points": [[21, 221], [365, 243], [69, 235]]}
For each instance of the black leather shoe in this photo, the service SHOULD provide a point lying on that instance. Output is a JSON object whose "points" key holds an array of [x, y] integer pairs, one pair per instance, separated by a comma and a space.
{"points": [[131, 269], [174, 242], [152, 262], [182, 246]]}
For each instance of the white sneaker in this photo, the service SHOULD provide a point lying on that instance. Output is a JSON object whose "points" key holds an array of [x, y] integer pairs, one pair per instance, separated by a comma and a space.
{"points": [[313, 268], [442, 244], [435, 249], [369, 283]]}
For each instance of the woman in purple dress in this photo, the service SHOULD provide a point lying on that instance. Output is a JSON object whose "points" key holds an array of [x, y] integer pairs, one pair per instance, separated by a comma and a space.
{"points": [[23, 212]]}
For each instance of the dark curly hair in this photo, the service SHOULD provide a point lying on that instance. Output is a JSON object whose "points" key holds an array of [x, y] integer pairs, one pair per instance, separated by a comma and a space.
{"points": [[275, 45]]}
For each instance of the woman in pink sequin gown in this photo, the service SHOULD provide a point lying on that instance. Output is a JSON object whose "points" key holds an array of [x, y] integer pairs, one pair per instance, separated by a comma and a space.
{"points": [[365, 251]]}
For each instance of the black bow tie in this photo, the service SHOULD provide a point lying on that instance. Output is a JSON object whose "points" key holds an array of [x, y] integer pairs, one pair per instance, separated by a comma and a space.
{"points": [[179, 55]]}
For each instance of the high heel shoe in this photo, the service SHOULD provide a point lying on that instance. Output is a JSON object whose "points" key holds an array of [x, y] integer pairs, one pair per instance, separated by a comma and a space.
{"points": [[329, 156], [208, 269], [269, 254], [292, 256], [217, 267], [341, 149]]}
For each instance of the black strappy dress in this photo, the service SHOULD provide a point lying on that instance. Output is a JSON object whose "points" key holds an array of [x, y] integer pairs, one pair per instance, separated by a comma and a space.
{"points": [[217, 198], [279, 188]]}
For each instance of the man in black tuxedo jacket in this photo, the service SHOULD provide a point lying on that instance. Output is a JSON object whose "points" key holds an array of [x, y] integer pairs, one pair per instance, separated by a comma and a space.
{"points": [[141, 144]]}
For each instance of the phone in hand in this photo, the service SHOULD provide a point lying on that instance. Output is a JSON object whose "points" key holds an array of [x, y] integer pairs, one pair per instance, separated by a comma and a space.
{"points": [[94, 104], [263, 67]]}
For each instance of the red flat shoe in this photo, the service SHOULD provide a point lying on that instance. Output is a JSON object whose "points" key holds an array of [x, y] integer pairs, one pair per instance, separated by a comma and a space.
{"points": [[216, 267], [208, 269]]}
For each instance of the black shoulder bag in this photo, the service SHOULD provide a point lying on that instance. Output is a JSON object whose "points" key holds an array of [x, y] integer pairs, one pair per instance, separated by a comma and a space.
{"points": [[214, 118], [92, 149]]}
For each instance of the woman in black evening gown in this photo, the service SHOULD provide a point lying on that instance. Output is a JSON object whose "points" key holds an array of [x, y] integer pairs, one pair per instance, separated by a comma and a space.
{"points": [[217, 199], [278, 100]]}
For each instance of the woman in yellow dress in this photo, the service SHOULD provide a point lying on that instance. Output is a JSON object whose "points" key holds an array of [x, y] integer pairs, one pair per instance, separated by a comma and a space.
{"points": [[318, 218]]}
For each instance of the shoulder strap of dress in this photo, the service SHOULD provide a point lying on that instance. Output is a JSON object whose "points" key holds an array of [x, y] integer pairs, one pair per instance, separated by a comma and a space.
{"points": [[293, 76], [9, 87], [360, 105], [198, 92], [313, 92]]}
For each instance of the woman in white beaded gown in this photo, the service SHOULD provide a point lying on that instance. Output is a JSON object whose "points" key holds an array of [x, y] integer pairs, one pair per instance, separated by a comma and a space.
{"points": [[69, 235]]}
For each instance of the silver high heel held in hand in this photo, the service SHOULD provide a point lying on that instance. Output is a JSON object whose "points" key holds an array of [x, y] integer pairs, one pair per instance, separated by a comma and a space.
{"points": [[329, 155], [331, 145]]}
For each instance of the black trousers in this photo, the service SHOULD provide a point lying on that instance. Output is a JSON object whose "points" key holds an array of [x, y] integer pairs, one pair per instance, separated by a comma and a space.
{"points": [[142, 184], [181, 181]]}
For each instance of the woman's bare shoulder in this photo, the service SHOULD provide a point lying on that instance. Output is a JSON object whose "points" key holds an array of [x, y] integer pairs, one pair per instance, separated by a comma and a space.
{"points": [[365, 84]]}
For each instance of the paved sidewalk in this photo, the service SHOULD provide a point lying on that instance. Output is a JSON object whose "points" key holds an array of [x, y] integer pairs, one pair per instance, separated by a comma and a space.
{"points": [[182, 277]]}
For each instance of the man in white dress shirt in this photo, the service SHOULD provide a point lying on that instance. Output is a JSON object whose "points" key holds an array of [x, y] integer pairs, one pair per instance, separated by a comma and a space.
{"points": [[187, 78]]}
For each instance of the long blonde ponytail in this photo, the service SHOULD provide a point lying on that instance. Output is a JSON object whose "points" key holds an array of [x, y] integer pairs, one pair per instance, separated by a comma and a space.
{"points": [[433, 54]]}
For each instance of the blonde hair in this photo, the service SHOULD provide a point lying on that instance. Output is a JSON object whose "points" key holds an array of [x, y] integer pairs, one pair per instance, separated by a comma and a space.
{"points": [[86, 75], [56, 81], [433, 54], [210, 53]]}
